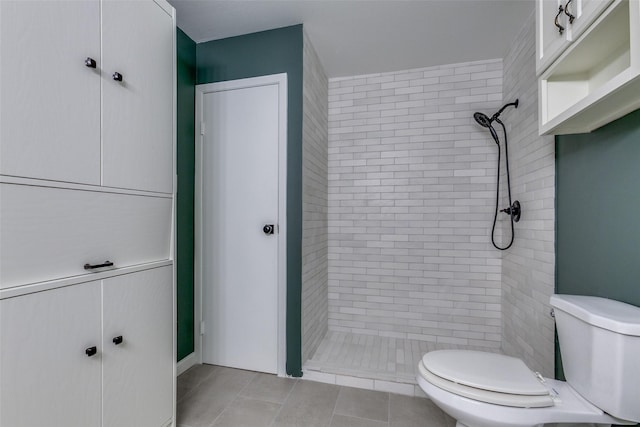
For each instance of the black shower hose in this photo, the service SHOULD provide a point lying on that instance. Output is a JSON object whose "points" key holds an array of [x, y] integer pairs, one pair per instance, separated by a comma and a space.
{"points": [[495, 215]]}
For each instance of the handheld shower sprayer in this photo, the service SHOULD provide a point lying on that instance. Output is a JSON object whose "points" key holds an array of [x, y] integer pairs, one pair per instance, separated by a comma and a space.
{"points": [[484, 121], [513, 210]]}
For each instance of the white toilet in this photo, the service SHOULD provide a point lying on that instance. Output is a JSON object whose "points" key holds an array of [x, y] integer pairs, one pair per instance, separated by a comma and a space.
{"points": [[600, 346]]}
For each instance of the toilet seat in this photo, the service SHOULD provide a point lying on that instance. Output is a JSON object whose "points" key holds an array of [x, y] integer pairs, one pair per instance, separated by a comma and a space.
{"points": [[485, 377]]}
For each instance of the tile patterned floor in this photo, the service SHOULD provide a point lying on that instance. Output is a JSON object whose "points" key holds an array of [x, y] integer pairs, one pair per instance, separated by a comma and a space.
{"points": [[215, 396]]}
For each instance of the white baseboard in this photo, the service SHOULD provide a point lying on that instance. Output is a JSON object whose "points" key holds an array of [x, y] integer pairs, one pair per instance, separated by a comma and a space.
{"points": [[186, 363]]}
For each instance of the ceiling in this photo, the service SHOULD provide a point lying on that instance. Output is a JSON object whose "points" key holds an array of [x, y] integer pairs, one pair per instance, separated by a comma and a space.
{"points": [[354, 37]]}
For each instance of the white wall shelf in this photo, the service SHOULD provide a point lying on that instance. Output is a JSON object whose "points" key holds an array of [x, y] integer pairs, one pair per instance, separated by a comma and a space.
{"points": [[597, 78]]}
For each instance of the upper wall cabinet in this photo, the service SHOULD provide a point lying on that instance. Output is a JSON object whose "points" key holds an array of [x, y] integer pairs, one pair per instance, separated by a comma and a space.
{"points": [[137, 110], [551, 32], [595, 78], [43, 48], [559, 22], [109, 67]]}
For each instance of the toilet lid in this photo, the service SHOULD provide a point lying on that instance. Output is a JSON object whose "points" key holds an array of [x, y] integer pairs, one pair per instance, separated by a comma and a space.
{"points": [[485, 371]]}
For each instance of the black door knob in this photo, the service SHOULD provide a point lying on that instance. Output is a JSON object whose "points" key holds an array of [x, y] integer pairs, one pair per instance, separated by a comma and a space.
{"points": [[117, 76], [90, 62], [118, 340], [268, 229], [91, 351]]}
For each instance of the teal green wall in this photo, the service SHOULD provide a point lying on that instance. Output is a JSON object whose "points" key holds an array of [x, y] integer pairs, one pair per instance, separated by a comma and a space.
{"points": [[186, 76], [598, 213], [258, 54]]}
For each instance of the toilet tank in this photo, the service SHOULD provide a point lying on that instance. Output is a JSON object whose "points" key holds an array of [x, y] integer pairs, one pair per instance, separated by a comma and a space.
{"points": [[600, 346]]}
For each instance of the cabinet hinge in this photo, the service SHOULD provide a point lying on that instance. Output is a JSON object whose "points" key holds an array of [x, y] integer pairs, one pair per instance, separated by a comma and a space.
{"points": [[201, 328], [201, 128]]}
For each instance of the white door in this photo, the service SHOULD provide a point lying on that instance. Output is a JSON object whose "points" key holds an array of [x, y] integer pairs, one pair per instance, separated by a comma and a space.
{"points": [[241, 152], [138, 349]]}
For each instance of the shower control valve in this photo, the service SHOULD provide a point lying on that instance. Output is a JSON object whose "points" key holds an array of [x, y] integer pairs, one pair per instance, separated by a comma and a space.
{"points": [[513, 210]]}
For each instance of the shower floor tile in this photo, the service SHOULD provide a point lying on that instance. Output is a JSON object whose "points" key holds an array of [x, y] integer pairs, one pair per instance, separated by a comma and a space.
{"points": [[372, 362]]}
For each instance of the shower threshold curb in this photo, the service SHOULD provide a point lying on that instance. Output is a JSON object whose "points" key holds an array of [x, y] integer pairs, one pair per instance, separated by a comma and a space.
{"points": [[365, 380]]}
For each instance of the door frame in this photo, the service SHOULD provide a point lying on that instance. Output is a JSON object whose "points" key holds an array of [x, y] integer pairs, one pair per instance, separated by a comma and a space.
{"points": [[280, 80]]}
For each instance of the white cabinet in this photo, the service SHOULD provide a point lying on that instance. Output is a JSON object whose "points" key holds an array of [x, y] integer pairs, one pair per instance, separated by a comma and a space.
{"points": [[46, 377], [596, 78], [559, 22], [65, 121], [551, 34], [50, 103], [137, 111], [86, 177], [585, 12], [138, 372], [126, 378], [73, 228]]}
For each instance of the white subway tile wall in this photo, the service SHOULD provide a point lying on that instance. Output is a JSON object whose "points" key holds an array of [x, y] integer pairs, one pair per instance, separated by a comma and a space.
{"points": [[411, 195], [314, 201], [528, 268]]}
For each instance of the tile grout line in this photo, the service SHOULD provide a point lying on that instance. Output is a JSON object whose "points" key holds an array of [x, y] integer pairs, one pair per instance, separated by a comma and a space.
{"points": [[193, 389], [389, 410], [363, 419], [232, 400], [284, 401], [333, 412]]}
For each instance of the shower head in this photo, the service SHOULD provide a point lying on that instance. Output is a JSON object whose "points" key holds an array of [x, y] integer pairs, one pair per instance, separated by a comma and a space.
{"points": [[485, 121], [482, 119]]}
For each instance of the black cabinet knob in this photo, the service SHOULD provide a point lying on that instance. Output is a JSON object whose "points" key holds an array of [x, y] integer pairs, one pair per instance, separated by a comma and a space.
{"points": [[90, 62], [91, 351], [118, 340], [117, 76]]}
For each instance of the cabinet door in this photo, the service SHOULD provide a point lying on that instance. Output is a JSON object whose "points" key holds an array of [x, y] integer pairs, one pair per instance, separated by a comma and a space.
{"points": [[549, 41], [138, 372], [585, 11], [46, 378], [51, 233], [50, 103], [138, 111]]}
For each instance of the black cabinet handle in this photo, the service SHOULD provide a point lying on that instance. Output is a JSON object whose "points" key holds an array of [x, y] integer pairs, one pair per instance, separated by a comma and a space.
{"points": [[94, 266], [118, 340], [569, 14], [91, 351], [117, 76], [560, 27], [90, 62]]}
